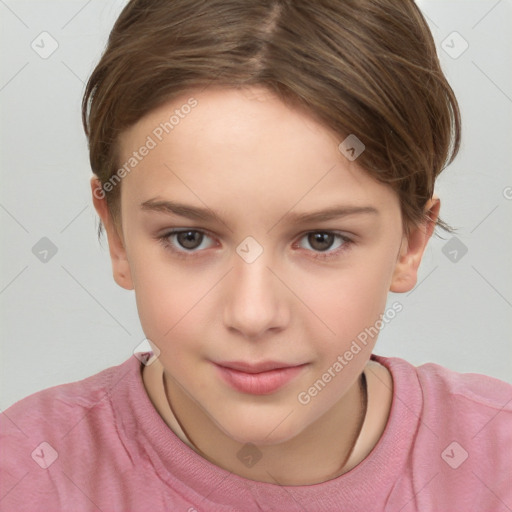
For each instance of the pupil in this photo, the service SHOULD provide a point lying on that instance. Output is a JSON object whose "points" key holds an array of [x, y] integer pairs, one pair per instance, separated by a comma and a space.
{"points": [[324, 239], [188, 239]]}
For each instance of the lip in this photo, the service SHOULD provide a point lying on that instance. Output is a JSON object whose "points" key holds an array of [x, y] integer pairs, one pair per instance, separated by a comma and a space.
{"points": [[258, 378]]}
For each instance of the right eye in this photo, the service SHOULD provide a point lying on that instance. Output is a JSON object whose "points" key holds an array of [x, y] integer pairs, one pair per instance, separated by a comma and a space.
{"points": [[184, 241]]}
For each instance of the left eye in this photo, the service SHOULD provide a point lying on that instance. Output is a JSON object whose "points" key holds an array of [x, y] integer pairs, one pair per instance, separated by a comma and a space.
{"points": [[322, 241]]}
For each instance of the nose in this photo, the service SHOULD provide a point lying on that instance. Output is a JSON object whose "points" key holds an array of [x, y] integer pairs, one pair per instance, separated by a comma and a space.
{"points": [[255, 300]]}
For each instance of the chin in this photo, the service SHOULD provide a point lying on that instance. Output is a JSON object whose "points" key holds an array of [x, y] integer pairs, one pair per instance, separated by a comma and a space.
{"points": [[266, 430]]}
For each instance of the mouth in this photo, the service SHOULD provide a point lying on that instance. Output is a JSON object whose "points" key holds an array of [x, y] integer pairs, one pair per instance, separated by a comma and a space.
{"points": [[258, 378]]}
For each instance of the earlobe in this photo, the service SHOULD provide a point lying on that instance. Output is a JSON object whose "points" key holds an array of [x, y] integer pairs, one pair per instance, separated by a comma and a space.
{"points": [[120, 264], [412, 248]]}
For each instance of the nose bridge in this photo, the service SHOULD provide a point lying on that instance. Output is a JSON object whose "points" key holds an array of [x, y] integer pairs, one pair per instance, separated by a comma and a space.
{"points": [[253, 278], [254, 300]]}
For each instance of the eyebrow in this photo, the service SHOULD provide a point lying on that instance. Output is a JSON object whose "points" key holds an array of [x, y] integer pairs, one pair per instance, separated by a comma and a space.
{"points": [[205, 214]]}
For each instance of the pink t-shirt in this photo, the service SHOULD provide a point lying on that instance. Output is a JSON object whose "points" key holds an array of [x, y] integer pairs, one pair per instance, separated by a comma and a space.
{"points": [[100, 445]]}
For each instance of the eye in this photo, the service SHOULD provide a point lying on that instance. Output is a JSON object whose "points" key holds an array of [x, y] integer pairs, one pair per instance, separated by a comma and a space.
{"points": [[190, 242], [326, 244], [184, 242]]}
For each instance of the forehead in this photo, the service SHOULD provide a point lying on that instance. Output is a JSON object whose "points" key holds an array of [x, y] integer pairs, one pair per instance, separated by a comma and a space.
{"points": [[240, 122], [241, 148]]}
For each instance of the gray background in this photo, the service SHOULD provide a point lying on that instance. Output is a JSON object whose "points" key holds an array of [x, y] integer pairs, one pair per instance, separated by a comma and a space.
{"points": [[64, 318]]}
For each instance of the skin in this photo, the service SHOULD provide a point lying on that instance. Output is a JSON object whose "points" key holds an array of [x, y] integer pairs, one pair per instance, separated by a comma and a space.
{"points": [[255, 161]]}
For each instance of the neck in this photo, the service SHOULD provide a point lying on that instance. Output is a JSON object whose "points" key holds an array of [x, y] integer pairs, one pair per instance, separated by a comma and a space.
{"points": [[324, 448]]}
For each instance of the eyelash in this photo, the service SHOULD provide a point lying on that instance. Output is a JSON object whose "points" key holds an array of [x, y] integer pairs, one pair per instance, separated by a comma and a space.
{"points": [[324, 256]]}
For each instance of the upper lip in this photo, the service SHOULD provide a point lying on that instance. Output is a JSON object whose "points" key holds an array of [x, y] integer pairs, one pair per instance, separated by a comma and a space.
{"points": [[263, 366]]}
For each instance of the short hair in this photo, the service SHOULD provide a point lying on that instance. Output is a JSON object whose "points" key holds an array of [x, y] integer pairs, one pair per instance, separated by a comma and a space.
{"points": [[367, 68]]}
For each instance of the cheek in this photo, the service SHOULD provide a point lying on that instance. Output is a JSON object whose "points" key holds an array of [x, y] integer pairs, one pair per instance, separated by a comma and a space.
{"points": [[166, 295], [349, 299], [334, 304]]}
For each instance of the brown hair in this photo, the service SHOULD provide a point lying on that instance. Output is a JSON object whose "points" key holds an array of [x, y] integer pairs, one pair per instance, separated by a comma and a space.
{"points": [[362, 67]]}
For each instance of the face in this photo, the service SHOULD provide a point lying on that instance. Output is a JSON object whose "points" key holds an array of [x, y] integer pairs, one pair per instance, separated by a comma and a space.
{"points": [[227, 268]]}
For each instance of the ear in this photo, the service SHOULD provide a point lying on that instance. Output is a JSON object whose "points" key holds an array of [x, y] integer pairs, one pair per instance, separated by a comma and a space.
{"points": [[405, 275], [120, 264]]}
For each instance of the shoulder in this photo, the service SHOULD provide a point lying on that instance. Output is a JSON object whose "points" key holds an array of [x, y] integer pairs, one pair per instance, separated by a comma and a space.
{"points": [[469, 406], [49, 422], [442, 387], [462, 424], [56, 408], [50, 440], [475, 388], [473, 405]]}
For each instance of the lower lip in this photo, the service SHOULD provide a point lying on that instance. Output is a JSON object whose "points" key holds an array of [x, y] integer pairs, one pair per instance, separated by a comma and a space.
{"points": [[262, 383]]}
